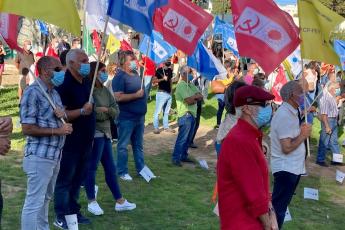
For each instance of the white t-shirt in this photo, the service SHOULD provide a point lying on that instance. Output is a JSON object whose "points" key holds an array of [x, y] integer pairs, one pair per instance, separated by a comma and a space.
{"points": [[285, 124]]}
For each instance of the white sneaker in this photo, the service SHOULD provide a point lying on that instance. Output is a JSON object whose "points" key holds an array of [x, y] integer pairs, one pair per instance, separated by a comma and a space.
{"points": [[126, 177], [96, 191], [94, 208], [126, 206]]}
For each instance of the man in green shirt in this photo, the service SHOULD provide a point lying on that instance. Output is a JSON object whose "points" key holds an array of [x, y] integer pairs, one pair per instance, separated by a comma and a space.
{"points": [[187, 95]]}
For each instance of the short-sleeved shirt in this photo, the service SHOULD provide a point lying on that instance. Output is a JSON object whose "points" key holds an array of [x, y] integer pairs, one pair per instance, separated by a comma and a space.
{"points": [[74, 95], [286, 124], [328, 105], [183, 91], [35, 109], [128, 84], [164, 85], [25, 60]]}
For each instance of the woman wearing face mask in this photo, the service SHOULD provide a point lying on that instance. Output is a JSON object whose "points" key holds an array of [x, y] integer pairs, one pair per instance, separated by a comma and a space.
{"points": [[52, 49], [106, 110]]}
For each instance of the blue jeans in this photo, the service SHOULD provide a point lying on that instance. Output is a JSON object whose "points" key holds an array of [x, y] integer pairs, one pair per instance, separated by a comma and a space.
{"points": [[186, 125], [163, 100], [285, 184], [328, 141], [218, 147], [130, 131], [73, 168], [221, 105], [147, 85], [102, 151]]}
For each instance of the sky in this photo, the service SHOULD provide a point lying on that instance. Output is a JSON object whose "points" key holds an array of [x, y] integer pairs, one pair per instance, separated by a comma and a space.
{"points": [[285, 2]]}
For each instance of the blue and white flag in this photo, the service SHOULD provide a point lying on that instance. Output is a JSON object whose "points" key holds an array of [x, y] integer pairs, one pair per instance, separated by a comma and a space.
{"points": [[43, 27], [137, 14], [339, 47], [158, 49], [206, 63], [228, 35]]}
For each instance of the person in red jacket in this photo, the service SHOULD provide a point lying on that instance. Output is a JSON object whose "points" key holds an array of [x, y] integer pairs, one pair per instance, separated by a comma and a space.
{"points": [[242, 171]]}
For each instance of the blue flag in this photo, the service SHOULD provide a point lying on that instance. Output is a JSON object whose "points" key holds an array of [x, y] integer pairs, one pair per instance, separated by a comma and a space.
{"points": [[158, 49], [228, 35], [339, 47], [136, 14], [43, 27], [205, 62]]}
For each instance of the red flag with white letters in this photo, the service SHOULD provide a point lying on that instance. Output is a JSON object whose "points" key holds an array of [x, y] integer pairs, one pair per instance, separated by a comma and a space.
{"points": [[8, 29], [279, 82], [182, 23], [264, 32]]}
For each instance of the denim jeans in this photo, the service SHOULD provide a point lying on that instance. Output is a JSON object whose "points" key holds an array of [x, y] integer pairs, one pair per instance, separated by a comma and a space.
{"points": [[147, 85], [328, 141], [285, 184], [41, 174], [102, 151], [221, 105], [218, 147], [130, 131], [186, 125], [73, 168], [197, 120], [163, 100]]}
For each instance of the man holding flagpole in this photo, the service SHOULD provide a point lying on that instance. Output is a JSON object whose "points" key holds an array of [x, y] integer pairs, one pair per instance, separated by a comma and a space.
{"points": [[74, 93]]}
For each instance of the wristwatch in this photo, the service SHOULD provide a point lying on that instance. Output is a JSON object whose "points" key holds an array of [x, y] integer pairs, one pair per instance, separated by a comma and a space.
{"points": [[82, 112]]}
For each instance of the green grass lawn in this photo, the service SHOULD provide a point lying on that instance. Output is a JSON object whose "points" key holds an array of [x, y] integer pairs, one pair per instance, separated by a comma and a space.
{"points": [[178, 199]]}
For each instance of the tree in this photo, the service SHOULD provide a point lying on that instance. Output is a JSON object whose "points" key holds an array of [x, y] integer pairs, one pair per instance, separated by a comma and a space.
{"points": [[335, 5], [221, 6]]}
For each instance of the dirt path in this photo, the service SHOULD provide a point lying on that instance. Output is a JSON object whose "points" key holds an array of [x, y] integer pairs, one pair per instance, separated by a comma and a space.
{"points": [[10, 75]]}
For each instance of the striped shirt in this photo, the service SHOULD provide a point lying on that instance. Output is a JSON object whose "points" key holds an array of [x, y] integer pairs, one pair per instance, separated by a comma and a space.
{"points": [[328, 105], [35, 109]]}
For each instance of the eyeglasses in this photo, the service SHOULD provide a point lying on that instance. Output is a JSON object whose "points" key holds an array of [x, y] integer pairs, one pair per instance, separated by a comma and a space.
{"points": [[262, 104], [56, 69]]}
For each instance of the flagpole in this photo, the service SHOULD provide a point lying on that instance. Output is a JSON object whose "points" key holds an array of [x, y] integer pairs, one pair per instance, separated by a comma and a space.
{"points": [[147, 53], [98, 58]]}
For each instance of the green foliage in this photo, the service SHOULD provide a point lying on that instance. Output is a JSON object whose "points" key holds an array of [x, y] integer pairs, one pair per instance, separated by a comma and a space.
{"points": [[221, 6], [336, 5]]}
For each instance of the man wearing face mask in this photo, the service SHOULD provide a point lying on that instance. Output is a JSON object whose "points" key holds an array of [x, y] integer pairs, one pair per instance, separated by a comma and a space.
{"points": [[329, 126], [242, 177], [163, 97], [187, 96], [128, 92], [45, 138], [23, 62], [74, 93], [288, 149]]}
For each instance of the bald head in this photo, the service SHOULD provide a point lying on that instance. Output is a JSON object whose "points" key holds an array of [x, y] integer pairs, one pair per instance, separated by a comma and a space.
{"points": [[290, 89]]}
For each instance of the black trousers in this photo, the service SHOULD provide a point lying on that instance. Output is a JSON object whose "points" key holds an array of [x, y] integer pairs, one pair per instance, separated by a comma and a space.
{"points": [[285, 185], [197, 120]]}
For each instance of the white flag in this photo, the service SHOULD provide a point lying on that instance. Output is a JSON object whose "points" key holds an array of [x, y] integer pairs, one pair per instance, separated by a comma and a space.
{"points": [[96, 13]]}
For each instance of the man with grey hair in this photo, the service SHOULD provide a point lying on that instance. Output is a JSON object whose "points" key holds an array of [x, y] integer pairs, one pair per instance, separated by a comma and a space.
{"points": [[329, 126], [187, 96], [287, 147], [74, 93]]}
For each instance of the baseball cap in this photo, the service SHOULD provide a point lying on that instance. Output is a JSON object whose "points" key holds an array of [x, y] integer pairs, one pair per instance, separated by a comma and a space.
{"points": [[251, 95]]}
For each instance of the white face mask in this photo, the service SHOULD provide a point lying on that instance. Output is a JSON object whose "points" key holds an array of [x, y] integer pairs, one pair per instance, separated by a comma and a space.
{"points": [[28, 47], [256, 71], [78, 46], [56, 45]]}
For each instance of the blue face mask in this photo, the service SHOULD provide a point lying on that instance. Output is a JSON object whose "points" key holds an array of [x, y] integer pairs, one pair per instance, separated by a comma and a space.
{"points": [[190, 77], [58, 78], [103, 77], [301, 101], [133, 66], [264, 116], [84, 69], [337, 92]]}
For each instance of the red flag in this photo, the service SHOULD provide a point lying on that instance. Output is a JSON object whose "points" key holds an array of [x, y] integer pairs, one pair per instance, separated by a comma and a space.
{"points": [[125, 46], [182, 23], [264, 32], [8, 29], [96, 41], [279, 82]]}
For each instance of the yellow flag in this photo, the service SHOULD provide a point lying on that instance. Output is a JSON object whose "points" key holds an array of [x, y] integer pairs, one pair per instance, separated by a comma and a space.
{"points": [[62, 13], [113, 44], [316, 24]]}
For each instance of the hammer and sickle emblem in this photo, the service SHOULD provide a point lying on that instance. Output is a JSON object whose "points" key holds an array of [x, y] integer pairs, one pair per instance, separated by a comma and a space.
{"points": [[250, 25], [172, 23]]}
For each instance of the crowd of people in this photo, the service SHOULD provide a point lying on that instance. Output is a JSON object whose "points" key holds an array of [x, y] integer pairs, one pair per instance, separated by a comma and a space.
{"points": [[68, 133]]}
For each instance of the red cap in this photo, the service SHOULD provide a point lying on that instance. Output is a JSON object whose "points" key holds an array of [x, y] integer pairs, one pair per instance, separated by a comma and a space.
{"points": [[248, 95]]}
